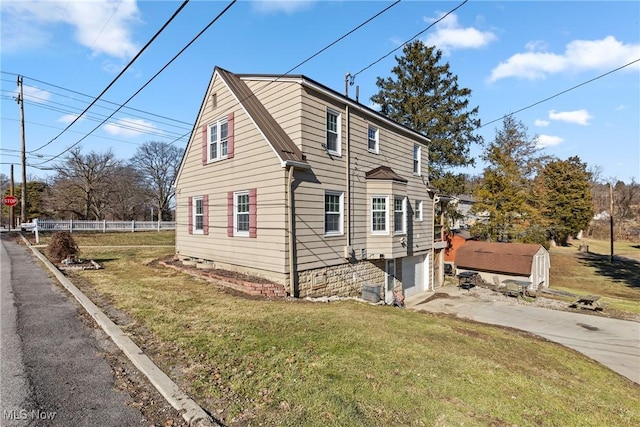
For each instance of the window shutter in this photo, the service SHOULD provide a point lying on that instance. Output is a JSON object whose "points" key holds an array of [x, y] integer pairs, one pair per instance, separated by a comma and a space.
{"points": [[204, 145], [230, 214], [190, 215], [230, 135], [252, 213], [205, 214]]}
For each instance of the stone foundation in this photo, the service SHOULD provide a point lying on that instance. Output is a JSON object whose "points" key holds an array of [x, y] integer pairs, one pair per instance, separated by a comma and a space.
{"points": [[344, 280]]}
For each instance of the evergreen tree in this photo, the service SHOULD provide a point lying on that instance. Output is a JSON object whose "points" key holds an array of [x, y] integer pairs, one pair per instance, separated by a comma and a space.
{"points": [[566, 200], [425, 97], [506, 192]]}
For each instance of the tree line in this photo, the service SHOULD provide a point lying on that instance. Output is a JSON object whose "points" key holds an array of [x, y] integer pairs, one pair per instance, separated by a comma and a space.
{"points": [[97, 186]]}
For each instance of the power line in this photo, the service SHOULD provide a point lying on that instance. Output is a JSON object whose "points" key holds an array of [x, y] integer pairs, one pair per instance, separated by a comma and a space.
{"points": [[353, 76], [73, 131], [148, 81], [184, 3], [91, 96], [560, 93], [344, 36], [147, 129], [278, 77]]}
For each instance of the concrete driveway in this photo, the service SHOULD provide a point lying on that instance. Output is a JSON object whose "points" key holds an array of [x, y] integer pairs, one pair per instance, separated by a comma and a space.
{"points": [[612, 342]]}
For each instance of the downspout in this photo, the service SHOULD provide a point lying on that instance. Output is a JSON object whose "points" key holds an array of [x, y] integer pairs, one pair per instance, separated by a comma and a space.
{"points": [[292, 237], [348, 177]]}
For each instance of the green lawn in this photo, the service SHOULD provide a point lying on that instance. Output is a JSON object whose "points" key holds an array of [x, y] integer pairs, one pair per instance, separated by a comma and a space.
{"points": [[617, 282], [291, 363]]}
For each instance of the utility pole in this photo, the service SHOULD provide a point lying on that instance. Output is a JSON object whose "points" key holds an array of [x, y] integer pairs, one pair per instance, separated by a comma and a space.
{"points": [[611, 218], [11, 190], [23, 202]]}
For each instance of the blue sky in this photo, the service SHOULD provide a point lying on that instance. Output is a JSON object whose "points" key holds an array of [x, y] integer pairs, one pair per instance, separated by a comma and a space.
{"points": [[511, 54]]}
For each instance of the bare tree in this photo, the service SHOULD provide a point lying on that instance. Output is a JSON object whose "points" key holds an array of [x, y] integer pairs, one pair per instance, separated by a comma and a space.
{"points": [[84, 182], [158, 163], [129, 199]]}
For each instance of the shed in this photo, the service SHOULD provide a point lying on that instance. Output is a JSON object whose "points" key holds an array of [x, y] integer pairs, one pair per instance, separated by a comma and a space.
{"points": [[497, 262]]}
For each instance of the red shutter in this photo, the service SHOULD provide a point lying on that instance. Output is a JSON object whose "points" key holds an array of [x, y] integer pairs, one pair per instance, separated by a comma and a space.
{"points": [[230, 214], [252, 213], [230, 135], [204, 145], [205, 214], [190, 215]]}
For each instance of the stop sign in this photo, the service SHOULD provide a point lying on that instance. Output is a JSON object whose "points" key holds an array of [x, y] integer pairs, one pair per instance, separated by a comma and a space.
{"points": [[10, 200]]}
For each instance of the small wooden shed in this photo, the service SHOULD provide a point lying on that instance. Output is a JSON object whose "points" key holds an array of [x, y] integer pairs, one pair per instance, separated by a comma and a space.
{"points": [[496, 262]]}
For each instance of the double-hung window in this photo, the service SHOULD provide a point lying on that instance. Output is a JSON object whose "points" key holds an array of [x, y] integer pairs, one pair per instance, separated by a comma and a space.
{"points": [[418, 210], [417, 159], [372, 144], [333, 213], [241, 213], [399, 215], [379, 206], [198, 215], [218, 140], [333, 132]]}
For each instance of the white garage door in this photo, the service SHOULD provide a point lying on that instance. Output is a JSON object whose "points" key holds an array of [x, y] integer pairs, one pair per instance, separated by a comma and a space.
{"points": [[413, 277]]}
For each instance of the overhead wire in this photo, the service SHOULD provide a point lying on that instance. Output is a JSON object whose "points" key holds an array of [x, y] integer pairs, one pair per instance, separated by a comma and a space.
{"points": [[560, 93], [147, 129], [279, 76], [91, 96], [353, 76], [148, 81], [184, 3]]}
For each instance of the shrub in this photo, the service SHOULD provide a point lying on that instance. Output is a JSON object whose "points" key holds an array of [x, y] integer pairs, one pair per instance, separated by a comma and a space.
{"points": [[62, 246]]}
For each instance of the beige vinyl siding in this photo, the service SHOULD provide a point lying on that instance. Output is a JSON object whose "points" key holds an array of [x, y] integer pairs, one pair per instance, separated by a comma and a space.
{"points": [[282, 100], [314, 250], [254, 165]]}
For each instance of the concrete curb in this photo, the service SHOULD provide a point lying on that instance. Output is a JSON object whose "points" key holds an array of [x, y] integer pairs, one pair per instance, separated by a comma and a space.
{"points": [[190, 410]]}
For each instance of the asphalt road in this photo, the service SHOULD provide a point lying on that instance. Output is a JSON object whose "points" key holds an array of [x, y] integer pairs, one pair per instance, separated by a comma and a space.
{"points": [[53, 370], [612, 342]]}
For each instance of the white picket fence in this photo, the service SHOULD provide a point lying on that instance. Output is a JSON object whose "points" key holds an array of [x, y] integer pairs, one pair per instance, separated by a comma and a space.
{"points": [[43, 225]]}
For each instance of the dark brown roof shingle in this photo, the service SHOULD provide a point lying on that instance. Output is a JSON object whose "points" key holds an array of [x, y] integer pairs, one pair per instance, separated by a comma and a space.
{"points": [[511, 258], [283, 145]]}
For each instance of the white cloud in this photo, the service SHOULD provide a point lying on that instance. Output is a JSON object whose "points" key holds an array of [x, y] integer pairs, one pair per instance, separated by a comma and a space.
{"points": [[130, 127], [579, 55], [621, 107], [34, 94], [68, 118], [289, 7], [580, 117], [541, 123], [103, 26], [450, 35], [548, 141]]}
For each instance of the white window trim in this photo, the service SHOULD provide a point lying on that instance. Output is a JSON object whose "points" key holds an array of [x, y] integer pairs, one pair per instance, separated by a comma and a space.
{"points": [[404, 215], [236, 194], [218, 124], [376, 149], [419, 210], [419, 159], [340, 232], [386, 215], [338, 150], [194, 204]]}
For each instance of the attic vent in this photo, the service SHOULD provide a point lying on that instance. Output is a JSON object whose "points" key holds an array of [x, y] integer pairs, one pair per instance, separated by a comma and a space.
{"points": [[214, 100]]}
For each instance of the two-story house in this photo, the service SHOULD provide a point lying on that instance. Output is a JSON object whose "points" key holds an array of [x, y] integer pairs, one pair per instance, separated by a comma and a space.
{"points": [[287, 179]]}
